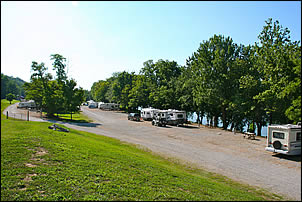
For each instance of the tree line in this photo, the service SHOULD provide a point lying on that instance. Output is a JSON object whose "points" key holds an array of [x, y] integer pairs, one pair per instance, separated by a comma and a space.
{"points": [[11, 85], [54, 95], [252, 85]]}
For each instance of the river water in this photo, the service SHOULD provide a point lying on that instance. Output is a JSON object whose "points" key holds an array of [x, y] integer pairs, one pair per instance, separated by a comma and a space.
{"points": [[204, 122]]}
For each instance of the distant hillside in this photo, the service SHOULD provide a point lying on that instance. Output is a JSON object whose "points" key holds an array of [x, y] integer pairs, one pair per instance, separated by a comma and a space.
{"points": [[12, 85]]}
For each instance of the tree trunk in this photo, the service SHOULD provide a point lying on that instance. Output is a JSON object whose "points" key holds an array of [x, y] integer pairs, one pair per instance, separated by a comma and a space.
{"points": [[224, 118], [259, 126], [215, 121], [198, 119], [232, 126]]}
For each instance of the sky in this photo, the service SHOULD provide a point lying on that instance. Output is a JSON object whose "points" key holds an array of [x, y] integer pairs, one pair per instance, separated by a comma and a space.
{"points": [[99, 38]]}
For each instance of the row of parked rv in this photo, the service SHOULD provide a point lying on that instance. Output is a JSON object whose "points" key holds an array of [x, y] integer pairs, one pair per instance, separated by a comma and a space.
{"points": [[164, 117], [102, 105]]}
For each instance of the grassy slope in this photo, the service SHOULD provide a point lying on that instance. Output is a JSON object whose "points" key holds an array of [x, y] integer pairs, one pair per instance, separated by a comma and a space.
{"points": [[84, 166]]}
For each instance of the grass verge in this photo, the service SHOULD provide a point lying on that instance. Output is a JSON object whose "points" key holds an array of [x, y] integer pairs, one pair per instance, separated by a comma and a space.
{"points": [[42, 164]]}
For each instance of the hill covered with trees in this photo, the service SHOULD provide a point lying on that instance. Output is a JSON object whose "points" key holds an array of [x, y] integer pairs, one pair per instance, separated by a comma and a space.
{"points": [[12, 85]]}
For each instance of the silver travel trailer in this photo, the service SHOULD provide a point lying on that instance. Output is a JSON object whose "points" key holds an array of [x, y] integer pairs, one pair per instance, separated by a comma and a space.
{"points": [[176, 117], [109, 106], [28, 104], [148, 113], [284, 139]]}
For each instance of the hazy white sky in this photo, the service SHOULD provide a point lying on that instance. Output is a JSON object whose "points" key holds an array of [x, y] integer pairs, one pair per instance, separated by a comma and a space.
{"points": [[99, 38]]}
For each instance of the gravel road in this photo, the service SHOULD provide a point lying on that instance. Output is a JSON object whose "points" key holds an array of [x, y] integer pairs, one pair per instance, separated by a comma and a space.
{"points": [[213, 149]]}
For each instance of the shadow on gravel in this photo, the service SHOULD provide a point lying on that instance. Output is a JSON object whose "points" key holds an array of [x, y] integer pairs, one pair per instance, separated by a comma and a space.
{"points": [[296, 158], [189, 127]]}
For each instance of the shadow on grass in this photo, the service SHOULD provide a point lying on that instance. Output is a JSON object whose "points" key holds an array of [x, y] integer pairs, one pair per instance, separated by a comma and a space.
{"points": [[296, 158], [72, 122]]}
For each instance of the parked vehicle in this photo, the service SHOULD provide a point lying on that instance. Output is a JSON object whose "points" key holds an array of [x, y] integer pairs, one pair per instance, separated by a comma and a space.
{"points": [[176, 117], [134, 117], [284, 139], [109, 106], [160, 118], [92, 104], [29, 104], [148, 113]]}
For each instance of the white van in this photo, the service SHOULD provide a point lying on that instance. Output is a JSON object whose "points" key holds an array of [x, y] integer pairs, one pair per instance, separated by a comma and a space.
{"points": [[284, 139]]}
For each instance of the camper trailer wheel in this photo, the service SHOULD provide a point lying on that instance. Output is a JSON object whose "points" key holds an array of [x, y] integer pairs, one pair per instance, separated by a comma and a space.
{"points": [[152, 123], [277, 144]]}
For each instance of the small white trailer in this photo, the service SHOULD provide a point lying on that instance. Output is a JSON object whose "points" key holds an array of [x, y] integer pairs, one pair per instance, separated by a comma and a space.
{"points": [[284, 139], [29, 104], [109, 106], [92, 104], [176, 117], [148, 113]]}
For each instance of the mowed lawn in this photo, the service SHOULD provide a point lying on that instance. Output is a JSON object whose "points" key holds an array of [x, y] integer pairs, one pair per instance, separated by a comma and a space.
{"points": [[42, 164]]}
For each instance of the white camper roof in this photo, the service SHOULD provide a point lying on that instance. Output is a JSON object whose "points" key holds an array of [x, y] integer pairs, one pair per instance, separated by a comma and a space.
{"points": [[149, 109], [286, 126], [175, 110]]}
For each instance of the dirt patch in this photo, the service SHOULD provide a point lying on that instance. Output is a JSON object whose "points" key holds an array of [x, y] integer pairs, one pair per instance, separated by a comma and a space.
{"points": [[28, 177], [30, 165], [41, 151]]}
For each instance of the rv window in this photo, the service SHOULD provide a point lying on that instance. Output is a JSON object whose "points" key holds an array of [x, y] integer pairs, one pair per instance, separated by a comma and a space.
{"points": [[148, 112], [170, 114], [179, 115], [298, 136], [278, 135]]}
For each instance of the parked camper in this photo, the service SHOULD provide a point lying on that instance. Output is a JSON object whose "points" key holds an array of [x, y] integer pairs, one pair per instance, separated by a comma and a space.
{"points": [[109, 106], [284, 139], [160, 118], [148, 113], [176, 117], [92, 104], [29, 104]]}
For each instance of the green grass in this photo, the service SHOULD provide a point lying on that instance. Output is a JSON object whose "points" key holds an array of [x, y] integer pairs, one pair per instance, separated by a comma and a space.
{"points": [[76, 118], [84, 166]]}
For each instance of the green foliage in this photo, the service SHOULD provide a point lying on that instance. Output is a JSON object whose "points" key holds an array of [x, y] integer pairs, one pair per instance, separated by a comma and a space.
{"points": [[237, 84], [11, 85], [10, 97], [278, 59], [54, 96]]}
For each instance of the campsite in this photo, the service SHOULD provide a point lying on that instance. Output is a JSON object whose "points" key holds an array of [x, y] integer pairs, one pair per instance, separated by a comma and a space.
{"points": [[150, 101]]}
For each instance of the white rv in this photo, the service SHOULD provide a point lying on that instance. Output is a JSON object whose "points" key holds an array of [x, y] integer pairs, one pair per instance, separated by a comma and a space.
{"points": [[109, 106], [92, 104], [176, 117], [28, 104], [160, 118], [284, 139], [148, 113]]}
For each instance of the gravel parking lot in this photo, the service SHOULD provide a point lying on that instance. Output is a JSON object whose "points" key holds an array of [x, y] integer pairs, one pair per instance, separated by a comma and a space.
{"points": [[213, 149]]}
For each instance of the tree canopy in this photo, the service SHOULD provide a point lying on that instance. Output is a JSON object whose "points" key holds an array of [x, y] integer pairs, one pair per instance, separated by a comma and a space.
{"points": [[54, 96], [237, 84]]}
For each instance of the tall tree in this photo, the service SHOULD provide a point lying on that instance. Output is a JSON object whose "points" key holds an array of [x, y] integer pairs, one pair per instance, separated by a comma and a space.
{"points": [[215, 75], [277, 59], [10, 97]]}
